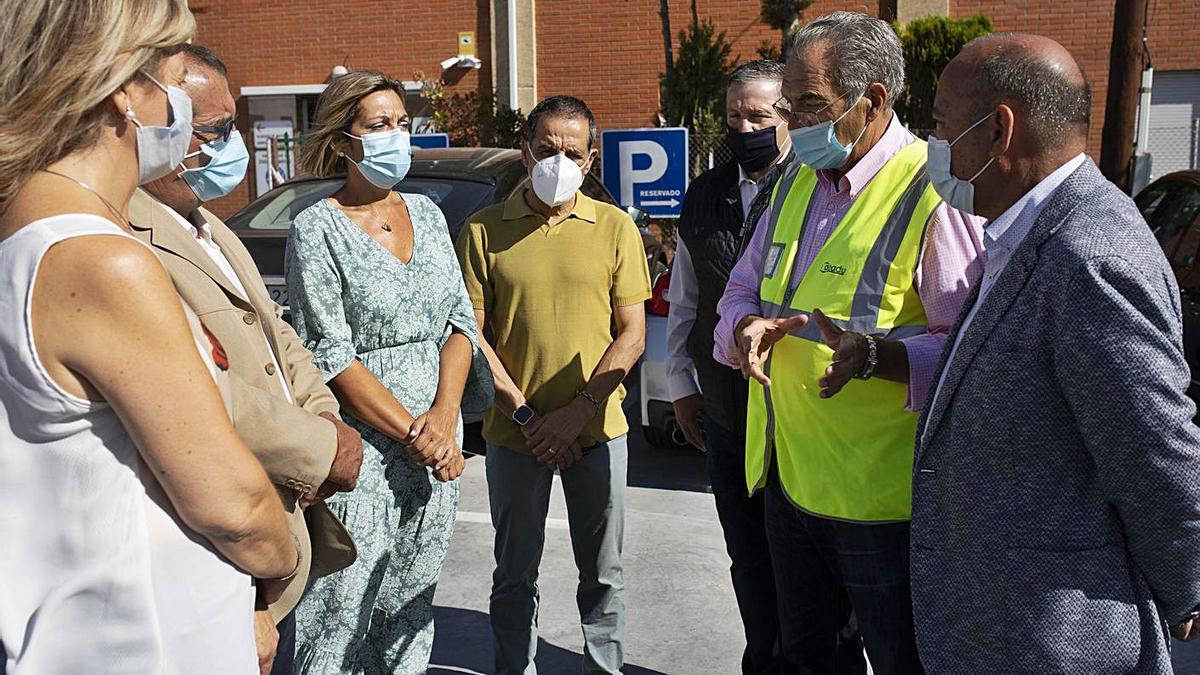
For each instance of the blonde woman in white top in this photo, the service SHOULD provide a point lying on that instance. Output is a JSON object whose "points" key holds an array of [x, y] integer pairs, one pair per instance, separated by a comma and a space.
{"points": [[131, 515]]}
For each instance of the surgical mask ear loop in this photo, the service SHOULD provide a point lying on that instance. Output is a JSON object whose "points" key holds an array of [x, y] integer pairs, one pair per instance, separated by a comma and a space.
{"points": [[861, 133], [964, 133]]}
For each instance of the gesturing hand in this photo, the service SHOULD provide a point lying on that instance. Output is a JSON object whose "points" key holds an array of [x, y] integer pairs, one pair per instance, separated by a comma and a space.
{"points": [[756, 336], [1186, 630], [849, 355]]}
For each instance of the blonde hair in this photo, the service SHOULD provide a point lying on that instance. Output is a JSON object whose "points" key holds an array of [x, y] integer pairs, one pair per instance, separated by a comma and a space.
{"points": [[60, 60], [336, 110]]}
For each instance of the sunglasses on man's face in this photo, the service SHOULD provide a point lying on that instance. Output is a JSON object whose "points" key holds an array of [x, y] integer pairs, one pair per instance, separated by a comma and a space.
{"points": [[212, 134]]}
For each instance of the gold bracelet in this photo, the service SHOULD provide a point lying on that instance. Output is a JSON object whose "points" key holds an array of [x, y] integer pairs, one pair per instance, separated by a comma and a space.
{"points": [[299, 560]]}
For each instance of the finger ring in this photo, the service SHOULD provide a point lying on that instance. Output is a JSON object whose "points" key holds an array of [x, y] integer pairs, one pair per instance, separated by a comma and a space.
{"points": [[553, 451]]}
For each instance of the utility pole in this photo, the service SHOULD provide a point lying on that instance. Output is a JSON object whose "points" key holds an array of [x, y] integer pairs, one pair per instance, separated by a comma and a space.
{"points": [[664, 13], [1125, 65]]}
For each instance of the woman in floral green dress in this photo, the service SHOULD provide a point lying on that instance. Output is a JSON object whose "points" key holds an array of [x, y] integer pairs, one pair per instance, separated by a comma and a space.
{"points": [[378, 297]]}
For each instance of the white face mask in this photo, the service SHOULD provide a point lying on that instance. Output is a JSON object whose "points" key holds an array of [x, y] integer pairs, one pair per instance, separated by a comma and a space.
{"points": [[555, 179], [162, 149], [958, 193]]}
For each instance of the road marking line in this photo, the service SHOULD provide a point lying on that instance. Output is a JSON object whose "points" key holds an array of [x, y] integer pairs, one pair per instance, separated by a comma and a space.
{"points": [[486, 518]]}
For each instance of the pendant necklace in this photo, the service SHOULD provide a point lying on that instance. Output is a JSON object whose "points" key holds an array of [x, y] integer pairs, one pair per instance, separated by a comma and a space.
{"points": [[116, 212], [383, 222]]}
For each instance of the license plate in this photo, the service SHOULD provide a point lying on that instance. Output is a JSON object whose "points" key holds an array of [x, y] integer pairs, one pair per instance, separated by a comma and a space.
{"points": [[279, 294], [277, 289]]}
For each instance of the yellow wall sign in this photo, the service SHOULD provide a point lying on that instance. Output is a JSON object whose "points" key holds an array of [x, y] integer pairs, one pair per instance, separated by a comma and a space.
{"points": [[466, 44]]}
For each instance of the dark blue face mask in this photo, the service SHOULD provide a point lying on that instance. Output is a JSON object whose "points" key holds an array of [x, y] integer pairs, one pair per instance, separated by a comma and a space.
{"points": [[754, 150]]}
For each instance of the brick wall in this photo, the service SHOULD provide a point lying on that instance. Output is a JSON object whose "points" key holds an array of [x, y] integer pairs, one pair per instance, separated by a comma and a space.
{"points": [[275, 42], [610, 53], [279, 42], [1085, 28]]}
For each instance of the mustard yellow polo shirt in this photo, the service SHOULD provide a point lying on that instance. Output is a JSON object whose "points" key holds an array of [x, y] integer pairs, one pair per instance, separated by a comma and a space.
{"points": [[549, 293]]}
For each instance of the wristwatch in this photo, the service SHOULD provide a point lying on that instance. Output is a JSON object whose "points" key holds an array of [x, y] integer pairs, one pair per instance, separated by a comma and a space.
{"points": [[868, 369], [523, 415]]}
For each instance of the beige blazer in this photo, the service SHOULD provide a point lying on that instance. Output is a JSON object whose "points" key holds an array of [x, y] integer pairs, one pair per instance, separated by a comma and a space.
{"points": [[294, 444]]}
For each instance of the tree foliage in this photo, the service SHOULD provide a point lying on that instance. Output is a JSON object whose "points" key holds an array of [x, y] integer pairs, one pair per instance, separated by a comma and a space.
{"points": [[697, 82], [929, 44], [472, 119], [783, 16], [693, 91]]}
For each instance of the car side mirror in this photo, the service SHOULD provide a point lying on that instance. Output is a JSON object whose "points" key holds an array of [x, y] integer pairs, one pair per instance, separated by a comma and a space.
{"points": [[640, 217]]}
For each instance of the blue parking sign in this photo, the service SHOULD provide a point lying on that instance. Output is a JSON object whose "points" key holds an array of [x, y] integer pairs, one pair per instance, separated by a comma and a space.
{"points": [[646, 168], [427, 141]]}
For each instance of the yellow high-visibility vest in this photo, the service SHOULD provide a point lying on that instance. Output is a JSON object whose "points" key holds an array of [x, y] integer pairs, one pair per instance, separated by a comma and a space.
{"points": [[848, 457]]}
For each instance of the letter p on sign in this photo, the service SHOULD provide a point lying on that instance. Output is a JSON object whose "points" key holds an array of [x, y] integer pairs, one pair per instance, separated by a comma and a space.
{"points": [[631, 176], [646, 168]]}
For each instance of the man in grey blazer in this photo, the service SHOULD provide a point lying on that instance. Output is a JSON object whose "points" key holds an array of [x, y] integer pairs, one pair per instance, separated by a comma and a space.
{"points": [[1056, 486]]}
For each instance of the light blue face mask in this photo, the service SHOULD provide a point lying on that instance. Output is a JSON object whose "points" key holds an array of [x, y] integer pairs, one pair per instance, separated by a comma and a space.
{"points": [[225, 169], [387, 156], [819, 147]]}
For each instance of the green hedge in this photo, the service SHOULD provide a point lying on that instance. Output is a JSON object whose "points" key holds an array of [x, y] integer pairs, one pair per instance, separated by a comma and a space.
{"points": [[929, 44]]}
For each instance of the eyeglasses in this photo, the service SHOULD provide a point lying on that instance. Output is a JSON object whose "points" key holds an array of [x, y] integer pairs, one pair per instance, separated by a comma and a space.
{"points": [[784, 109], [210, 134]]}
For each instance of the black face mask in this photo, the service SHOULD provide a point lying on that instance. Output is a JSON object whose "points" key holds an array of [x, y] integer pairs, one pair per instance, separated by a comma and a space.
{"points": [[754, 150]]}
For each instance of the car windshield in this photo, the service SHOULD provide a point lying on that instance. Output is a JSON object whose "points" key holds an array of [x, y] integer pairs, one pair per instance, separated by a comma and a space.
{"points": [[457, 198], [1170, 208]]}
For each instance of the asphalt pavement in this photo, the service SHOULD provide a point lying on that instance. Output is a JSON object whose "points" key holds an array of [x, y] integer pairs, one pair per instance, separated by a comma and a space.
{"points": [[682, 618], [681, 614]]}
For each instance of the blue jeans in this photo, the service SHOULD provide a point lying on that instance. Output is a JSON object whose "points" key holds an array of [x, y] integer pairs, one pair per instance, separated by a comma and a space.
{"points": [[743, 524], [519, 491], [841, 585]]}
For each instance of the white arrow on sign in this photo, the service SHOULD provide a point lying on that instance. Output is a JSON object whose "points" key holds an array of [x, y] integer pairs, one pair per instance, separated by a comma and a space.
{"points": [[630, 176], [671, 203]]}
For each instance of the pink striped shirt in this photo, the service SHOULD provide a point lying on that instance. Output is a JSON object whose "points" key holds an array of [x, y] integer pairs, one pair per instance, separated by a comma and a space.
{"points": [[949, 264]]}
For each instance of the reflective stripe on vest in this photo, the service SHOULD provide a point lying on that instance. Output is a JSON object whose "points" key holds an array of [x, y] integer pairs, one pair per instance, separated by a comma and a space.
{"points": [[848, 457]]}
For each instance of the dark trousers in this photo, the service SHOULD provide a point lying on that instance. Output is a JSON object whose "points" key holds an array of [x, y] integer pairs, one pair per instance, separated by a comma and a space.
{"points": [[832, 574], [285, 653], [746, 541]]}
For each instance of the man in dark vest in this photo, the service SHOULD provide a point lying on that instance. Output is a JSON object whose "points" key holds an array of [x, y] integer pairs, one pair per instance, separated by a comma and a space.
{"points": [[720, 209]]}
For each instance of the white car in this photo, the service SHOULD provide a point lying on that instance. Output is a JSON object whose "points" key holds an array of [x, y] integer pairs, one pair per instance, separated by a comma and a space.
{"points": [[657, 413]]}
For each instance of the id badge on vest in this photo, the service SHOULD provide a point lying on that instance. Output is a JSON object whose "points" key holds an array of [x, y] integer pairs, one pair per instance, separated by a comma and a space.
{"points": [[773, 256]]}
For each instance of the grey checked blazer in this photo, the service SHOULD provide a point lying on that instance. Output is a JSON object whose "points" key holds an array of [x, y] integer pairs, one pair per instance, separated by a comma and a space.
{"points": [[1056, 487]]}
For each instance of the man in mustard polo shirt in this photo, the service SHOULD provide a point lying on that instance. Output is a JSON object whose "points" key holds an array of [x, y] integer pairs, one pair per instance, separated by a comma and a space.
{"points": [[550, 273]]}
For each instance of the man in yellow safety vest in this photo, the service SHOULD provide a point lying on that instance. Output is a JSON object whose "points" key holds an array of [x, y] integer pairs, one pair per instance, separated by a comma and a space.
{"points": [[857, 271]]}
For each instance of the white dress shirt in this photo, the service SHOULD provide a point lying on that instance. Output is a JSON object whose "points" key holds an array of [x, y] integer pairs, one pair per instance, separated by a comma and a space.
{"points": [[203, 236], [683, 294], [1001, 237]]}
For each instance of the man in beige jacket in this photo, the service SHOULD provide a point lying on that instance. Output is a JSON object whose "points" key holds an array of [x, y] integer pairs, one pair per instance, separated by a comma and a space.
{"points": [[281, 406]]}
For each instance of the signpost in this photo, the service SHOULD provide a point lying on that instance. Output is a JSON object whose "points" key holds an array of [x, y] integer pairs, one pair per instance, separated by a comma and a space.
{"points": [[274, 154], [646, 168], [427, 141]]}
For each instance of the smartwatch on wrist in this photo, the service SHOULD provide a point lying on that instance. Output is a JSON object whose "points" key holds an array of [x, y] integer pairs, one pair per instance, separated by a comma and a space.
{"points": [[523, 415]]}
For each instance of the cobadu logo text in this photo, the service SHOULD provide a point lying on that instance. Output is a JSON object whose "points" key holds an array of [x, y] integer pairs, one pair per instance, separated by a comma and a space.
{"points": [[830, 268]]}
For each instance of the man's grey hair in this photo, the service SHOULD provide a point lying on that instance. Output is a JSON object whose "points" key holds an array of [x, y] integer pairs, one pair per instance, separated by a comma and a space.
{"points": [[560, 106], [861, 50], [1051, 100], [757, 71]]}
